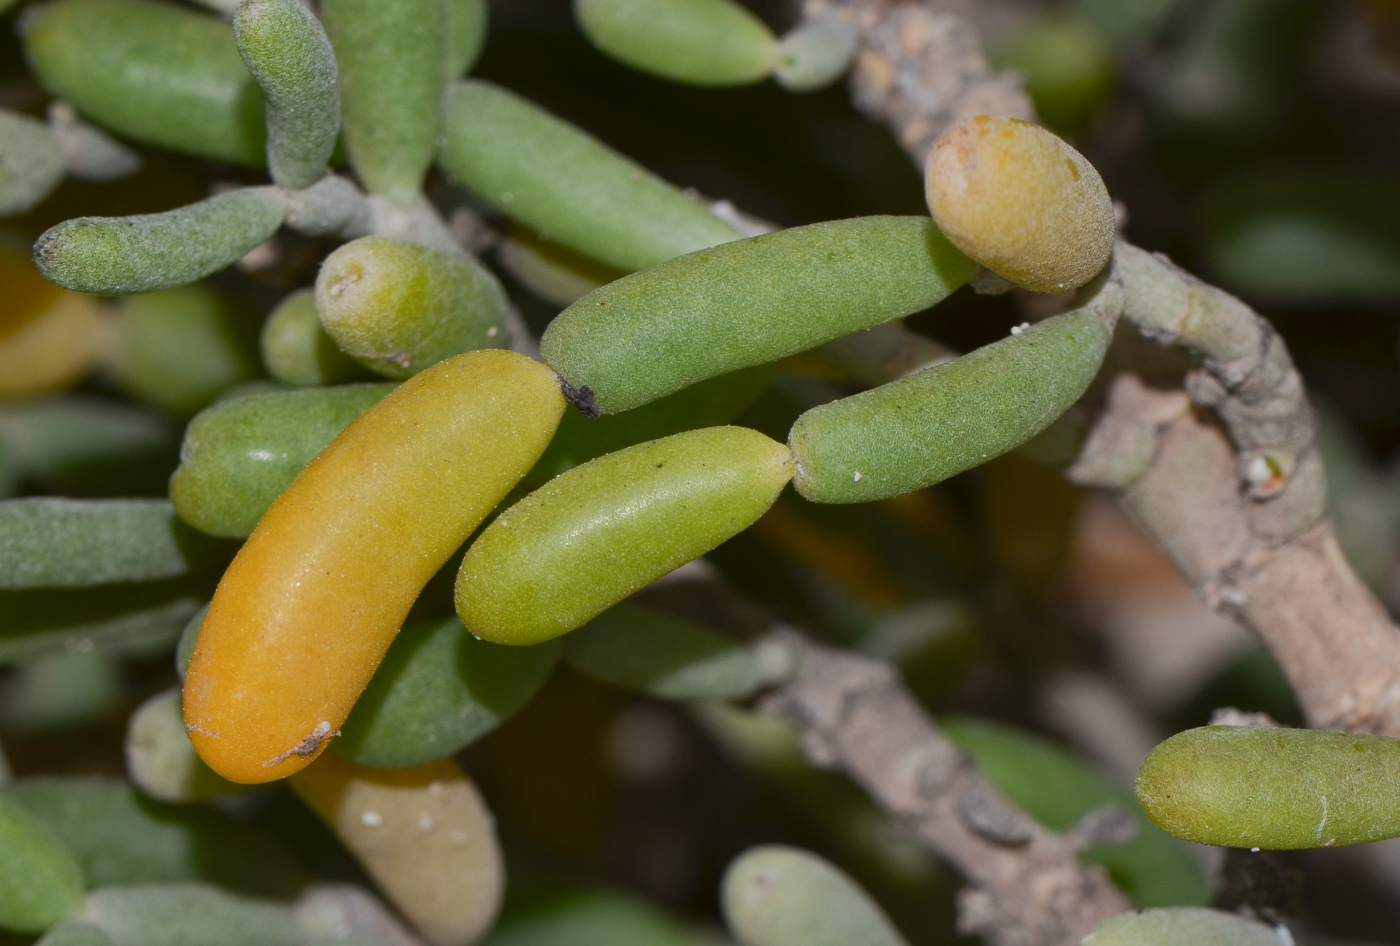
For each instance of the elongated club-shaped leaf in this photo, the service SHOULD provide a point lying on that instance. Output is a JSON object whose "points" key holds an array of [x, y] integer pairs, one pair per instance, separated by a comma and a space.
{"points": [[116, 255], [747, 303], [156, 72], [914, 432], [564, 183], [1270, 788], [288, 53], [50, 542]]}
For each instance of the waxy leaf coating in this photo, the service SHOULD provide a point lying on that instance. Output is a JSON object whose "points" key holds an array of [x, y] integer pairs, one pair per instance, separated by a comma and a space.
{"points": [[916, 431], [592, 536], [1277, 789], [747, 303]]}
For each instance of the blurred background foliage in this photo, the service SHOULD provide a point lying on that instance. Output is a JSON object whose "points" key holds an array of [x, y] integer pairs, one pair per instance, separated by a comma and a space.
{"points": [[1256, 142]]}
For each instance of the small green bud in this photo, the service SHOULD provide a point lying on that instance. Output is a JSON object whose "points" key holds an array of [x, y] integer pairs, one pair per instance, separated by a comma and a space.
{"points": [[287, 52], [698, 42], [1277, 789], [159, 73], [398, 307], [40, 882], [747, 303], [180, 348], [463, 35], [589, 538], [390, 57], [240, 455], [815, 54], [1183, 926], [1021, 202], [31, 162], [117, 255], [160, 759], [50, 542], [783, 896], [296, 349], [121, 837], [922, 429], [438, 690], [665, 657], [565, 184]]}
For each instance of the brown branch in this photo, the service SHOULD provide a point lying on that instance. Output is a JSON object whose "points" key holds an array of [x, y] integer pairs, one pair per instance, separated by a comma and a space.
{"points": [[1026, 886], [1240, 510]]}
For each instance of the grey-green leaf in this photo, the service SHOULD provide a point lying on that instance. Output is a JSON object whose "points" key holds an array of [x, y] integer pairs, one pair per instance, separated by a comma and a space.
{"points": [[40, 881], [49, 542], [649, 652], [240, 455], [463, 35], [698, 42], [31, 162], [438, 690], [179, 349], [914, 432], [159, 73], [160, 759], [746, 303], [142, 618], [815, 54], [117, 255], [390, 58], [1183, 926], [567, 185], [783, 896], [296, 349], [287, 51], [189, 914], [121, 837]]}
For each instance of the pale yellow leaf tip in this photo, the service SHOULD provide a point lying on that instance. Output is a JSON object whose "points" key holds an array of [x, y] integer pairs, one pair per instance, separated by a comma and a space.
{"points": [[1020, 201]]}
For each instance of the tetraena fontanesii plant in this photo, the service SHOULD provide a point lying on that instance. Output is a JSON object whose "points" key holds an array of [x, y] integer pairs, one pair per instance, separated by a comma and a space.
{"points": [[417, 429]]}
